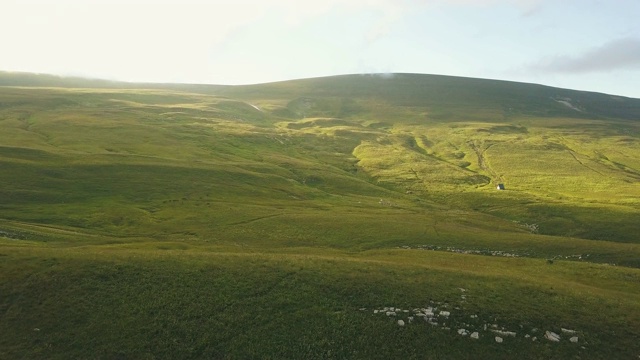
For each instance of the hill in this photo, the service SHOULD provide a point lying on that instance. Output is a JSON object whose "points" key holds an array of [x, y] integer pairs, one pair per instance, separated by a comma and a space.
{"points": [[302, 218]]}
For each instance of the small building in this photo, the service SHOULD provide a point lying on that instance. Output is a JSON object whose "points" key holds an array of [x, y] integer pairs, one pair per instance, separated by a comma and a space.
{"points": [[500, 187]]}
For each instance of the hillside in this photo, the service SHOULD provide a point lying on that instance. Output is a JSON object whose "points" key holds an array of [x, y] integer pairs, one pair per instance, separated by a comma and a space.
{"points": [[285, 220]]}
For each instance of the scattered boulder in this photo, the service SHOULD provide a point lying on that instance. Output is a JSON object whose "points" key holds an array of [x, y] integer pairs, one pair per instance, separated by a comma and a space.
{"points": [[551, 336], [574, 339], [567, 331], [463, 332], [401, 322], [445, 313], [498, 339], [475, 335]]}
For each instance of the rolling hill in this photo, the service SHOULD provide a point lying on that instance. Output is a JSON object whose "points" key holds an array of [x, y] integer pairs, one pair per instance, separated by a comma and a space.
{"points": [[317, 218]]}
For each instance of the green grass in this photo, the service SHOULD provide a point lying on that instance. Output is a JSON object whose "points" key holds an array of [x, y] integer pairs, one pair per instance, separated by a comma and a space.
{"points": [[225, 303], [180, 221]]}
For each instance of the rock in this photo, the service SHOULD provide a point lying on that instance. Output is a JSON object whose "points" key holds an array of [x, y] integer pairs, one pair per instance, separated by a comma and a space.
{"points": [[410, 318], [534, 338], [401, 322], [551, 336], [390, 313], [376, 311], [463, 332], [574, 339], [567, 331], [498, 339], [527, 336], [445, 313], [505, 333], [475, 335]]}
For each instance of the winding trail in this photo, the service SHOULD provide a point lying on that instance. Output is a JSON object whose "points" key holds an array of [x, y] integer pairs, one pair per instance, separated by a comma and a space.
{"points": [[482, 162], [573, 153]]}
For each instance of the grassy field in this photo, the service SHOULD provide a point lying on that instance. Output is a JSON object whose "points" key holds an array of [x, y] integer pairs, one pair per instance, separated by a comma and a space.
{"points": [[344, 217]]}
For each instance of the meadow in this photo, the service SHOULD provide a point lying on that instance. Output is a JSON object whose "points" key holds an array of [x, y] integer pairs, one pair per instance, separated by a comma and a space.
{"points": [[342, 217]]}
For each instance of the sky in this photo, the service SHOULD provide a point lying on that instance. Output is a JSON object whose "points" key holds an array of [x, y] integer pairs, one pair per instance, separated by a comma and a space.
{"points": [[588, 45]]}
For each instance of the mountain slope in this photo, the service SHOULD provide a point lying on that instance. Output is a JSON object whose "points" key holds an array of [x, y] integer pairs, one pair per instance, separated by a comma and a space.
{"points": [[285, 220]]}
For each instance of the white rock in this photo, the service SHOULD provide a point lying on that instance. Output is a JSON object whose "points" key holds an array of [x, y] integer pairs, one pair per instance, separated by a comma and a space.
{"points": [[567, 331], [401, 322], [505, 333], [390, 313], [527, 336], [574, 339], [498, 339], [444, 313], [410, 318], [475, 335], [551, 336], [405, 311], [463, 332], [376, 311], [535, 338]]}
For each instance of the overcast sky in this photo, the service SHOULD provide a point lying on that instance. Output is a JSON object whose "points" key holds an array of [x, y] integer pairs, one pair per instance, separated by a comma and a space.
{"points": [[578, 44]]}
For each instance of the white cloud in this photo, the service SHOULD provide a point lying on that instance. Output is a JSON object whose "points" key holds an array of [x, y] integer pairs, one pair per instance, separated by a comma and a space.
{"points": [[614, 55]]}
